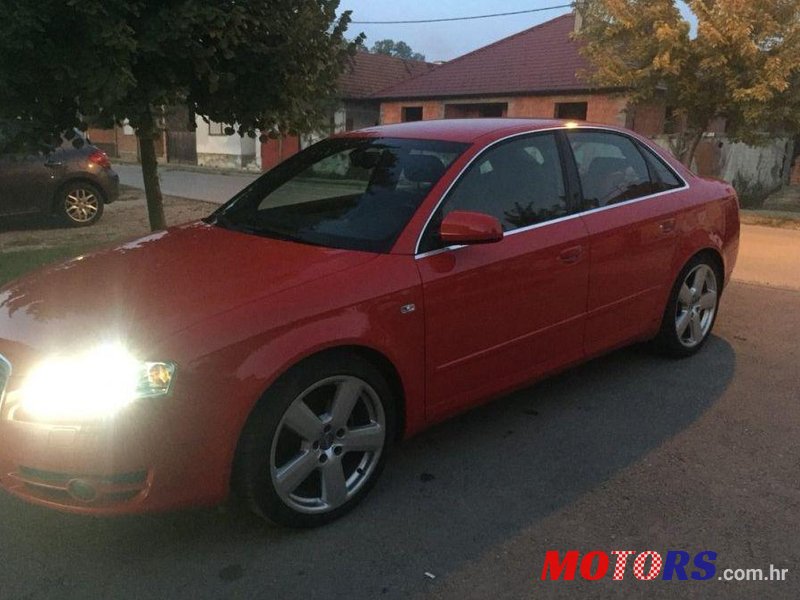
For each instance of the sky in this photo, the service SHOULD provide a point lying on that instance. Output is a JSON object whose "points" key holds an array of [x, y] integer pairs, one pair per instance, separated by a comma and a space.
{"points": [[445, 41]]}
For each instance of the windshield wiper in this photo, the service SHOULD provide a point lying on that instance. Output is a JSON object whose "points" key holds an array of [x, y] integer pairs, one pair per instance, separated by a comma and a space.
{"points": [[225, 222], [222, 220]]}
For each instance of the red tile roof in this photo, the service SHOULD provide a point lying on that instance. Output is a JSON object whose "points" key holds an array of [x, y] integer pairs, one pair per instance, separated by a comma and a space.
{"points": [[543, 58], [368, 73]]}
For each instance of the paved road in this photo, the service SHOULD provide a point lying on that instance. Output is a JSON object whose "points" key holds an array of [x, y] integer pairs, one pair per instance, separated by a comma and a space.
{"points": [[770, 256], [197, 185], [627, 452]]}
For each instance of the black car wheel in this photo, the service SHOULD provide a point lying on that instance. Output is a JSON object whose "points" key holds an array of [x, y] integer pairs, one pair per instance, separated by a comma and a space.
{"points": [[79, 204], [316, 442]]}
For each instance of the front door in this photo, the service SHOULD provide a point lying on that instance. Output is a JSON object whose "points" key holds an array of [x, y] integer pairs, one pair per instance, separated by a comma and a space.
{"points": [[497, 315]]}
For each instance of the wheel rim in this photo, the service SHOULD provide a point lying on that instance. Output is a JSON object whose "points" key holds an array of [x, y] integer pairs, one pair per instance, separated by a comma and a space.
{"points": [[328, 444], [697, 305], [81, 205]]}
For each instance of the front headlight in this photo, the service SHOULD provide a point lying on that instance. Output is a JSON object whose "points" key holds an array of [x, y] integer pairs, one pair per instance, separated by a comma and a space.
{"points": [[94, 385]]}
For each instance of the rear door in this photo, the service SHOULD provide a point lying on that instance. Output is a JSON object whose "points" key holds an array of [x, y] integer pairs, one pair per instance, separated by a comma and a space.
{"points": [[498, 314], [631, 202]]}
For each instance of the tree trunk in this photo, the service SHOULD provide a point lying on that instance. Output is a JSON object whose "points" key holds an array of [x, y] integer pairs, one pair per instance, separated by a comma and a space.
{"points": [[691, 150], [152, 186]]}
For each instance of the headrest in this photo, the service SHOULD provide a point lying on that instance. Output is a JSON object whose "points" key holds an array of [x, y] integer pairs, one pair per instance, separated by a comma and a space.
{"points": [[423, 168], [608, 164]]}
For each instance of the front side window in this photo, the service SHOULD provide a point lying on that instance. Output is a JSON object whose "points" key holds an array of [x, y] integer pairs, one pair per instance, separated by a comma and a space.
{"points": [[610, 167], [350, 193], [519, 182]]}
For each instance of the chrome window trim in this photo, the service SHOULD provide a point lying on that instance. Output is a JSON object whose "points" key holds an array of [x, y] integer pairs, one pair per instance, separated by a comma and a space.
{"points": [[418, 255]]}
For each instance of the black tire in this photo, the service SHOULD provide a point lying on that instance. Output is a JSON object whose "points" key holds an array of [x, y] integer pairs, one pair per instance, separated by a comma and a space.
{"points": [[669, 341], [79, 204], [257, 465]]}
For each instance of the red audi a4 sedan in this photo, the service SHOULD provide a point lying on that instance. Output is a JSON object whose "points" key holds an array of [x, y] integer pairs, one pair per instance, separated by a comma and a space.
{"points": [[370, 286]]}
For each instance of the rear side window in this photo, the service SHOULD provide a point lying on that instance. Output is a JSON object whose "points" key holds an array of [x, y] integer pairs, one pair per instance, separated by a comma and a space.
{"points": [[611, 168], [664, 179]]}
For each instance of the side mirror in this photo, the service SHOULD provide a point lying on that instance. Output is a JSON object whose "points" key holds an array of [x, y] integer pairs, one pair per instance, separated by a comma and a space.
{"points": [[463, 227]]}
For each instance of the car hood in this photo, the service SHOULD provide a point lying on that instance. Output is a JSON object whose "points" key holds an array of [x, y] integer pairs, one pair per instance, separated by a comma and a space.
{"points": [[147, 289]]}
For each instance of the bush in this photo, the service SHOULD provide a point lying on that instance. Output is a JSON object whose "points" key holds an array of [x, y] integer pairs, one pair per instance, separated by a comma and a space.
{"points": [[751, 195]]}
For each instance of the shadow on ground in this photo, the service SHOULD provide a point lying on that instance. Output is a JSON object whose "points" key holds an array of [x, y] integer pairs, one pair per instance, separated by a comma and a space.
{"points": [[446, 497], [30, 223]]}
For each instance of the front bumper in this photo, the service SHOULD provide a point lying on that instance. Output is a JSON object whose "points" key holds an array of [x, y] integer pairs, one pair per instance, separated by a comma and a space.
{"points": [[152, 457], [76, 468]]}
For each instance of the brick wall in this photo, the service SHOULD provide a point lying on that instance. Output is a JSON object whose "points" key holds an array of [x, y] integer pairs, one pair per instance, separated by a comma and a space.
{"points": [[605, 109], [391, 112], [118, 143], [794, 178]]}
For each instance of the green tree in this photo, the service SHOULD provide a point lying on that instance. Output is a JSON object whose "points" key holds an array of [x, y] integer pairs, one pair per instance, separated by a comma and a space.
{"points": [[397, 49], [742, 65], [269, 65]]}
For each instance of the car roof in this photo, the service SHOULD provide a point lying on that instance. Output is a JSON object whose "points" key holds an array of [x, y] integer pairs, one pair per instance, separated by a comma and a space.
{"points": [[458, 130]]}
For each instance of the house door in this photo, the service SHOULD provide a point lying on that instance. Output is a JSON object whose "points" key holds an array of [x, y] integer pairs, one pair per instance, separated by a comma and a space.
{"points": [[275, 151], [182, 147]]}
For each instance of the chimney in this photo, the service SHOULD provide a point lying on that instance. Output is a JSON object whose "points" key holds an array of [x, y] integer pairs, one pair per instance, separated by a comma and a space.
{"points": [[580, 7]]}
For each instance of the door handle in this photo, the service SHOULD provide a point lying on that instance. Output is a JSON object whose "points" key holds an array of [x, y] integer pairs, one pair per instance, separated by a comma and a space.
{"points": [[667, 226], [53, 164], [571, 255]]}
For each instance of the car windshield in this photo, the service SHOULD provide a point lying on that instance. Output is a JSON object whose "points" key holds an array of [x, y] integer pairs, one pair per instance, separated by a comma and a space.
{"points": [[351, 193]]}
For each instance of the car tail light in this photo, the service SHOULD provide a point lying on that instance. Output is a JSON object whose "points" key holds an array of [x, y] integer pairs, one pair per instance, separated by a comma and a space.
{"points": [[100, 158]]}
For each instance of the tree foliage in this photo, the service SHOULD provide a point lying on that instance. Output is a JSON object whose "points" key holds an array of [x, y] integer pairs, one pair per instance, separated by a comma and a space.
{"points": [[397, 49], [269, 65], [742, 65]]}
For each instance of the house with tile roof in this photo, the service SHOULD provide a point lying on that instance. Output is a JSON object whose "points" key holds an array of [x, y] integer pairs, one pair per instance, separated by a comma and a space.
{"points": [[368, 75], [534, 73], [209, 145], [357, 106]]}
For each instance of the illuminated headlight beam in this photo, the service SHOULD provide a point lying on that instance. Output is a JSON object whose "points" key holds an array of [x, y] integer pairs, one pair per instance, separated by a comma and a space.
{"points": [[92, 386]]}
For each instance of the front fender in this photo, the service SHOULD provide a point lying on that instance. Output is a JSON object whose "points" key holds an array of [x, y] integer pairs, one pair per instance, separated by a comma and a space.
{"points": [[236, 357]]}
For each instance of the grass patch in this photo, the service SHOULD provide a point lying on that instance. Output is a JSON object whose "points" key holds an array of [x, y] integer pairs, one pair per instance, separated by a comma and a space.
{"points": [[14, 264]]}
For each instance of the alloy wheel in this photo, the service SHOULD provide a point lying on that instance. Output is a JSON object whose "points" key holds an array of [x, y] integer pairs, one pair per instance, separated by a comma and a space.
{"points": [[697, 306], [81, 205], [328, 444]]}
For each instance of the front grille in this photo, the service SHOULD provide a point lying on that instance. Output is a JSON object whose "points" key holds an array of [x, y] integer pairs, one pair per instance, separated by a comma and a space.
{"points": [[5, 374]]}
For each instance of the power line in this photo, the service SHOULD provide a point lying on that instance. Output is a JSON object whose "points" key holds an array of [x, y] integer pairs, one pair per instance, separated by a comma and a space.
{"points": [[507, 14]]}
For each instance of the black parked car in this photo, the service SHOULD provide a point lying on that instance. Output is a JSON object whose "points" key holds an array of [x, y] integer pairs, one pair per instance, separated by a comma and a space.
{"points": [[73, 184]]}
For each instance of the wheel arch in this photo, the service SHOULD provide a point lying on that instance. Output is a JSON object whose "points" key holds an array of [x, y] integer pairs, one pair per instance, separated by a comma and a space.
{"points": [[373, 356], [716, 257], [376, 358], [381, 362]]}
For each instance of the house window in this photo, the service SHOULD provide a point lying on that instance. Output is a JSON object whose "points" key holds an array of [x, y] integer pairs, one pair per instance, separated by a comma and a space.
{"points": [[485, 110], [574, 111], [215, 128], [412, 113]]}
